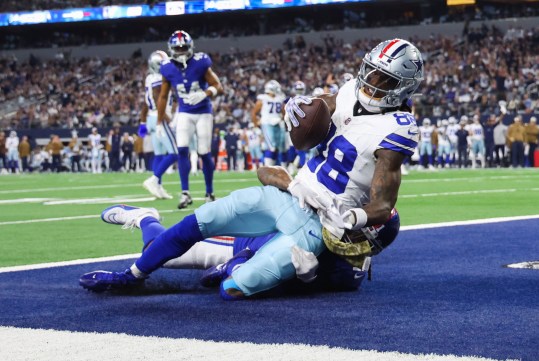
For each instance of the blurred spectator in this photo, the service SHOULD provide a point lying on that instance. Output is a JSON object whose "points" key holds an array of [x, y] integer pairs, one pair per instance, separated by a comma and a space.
{"points": [[500, 142], [462, 136], [231, 144], [75, 144], [516, 134], [3, 152], [532, 133], [55, 148], [127, 152], [115, 140], [138, 150], [24, 153]]}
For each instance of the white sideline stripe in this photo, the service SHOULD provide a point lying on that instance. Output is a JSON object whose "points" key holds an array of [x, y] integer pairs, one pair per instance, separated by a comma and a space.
{"points": [[67, 263], [59, 219], [465, 192], [474, 179], [468, 223], [24, 200], [103, 186], [99, 201], [128, 256], [20, 344]]}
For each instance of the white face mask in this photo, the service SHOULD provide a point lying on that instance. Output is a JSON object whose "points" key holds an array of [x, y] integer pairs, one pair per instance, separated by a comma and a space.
{"points": [[370, 104]]}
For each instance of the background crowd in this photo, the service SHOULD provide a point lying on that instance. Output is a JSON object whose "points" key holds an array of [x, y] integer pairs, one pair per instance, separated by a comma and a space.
{"points": [[468, 75]]}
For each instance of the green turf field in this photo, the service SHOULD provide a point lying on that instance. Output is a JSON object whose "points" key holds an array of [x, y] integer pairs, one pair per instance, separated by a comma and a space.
{"points": [[55, 217]]}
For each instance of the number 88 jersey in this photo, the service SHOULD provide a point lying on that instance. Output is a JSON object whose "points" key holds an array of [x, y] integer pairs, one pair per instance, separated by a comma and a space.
{"points": [[345, 162]]}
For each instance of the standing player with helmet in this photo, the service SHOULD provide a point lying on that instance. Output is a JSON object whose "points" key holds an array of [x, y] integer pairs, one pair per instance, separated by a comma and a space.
{"points": [[351, 184], [270, 106], [425, 146], [190, 77], [94, 143], [163, 138]]}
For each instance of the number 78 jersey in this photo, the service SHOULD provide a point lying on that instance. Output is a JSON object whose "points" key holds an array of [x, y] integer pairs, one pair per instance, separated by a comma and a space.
{"points": [[345, 162]]}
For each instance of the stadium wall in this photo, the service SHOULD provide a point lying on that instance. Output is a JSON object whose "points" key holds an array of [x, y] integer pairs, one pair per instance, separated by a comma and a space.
{"points": [[223, 45]]}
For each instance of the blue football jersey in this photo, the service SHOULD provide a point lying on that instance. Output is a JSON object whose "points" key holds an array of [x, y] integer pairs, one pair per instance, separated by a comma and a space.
{"points": [[189, 80]]}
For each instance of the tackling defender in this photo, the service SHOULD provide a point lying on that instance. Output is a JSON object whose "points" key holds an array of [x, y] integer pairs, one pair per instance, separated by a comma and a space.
{"points": [[222, 255], [194, 83]]}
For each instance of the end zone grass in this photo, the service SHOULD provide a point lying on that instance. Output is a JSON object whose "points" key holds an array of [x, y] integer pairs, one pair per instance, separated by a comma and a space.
{"points": [[34, 230]]}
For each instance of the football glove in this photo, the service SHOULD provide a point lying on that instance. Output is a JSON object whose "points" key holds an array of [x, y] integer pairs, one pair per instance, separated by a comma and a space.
{"points": [[293, 110], [308, 195], [142, 130], [195, 97], [305, 264], [160, 131]]}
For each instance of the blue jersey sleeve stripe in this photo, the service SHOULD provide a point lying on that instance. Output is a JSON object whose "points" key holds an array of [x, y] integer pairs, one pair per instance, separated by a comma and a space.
{"points": [[406, 142], [396, 148], [157, 83]]}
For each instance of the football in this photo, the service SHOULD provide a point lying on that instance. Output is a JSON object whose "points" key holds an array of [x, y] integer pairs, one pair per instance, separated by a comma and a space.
{"points": [[314, 127]]}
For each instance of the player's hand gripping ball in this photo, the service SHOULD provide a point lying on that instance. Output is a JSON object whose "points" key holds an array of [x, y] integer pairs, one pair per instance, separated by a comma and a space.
{"points": [[308, 120]]}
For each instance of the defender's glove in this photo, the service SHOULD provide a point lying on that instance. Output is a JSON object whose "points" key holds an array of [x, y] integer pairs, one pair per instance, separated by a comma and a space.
{"points": [[293, 110], [308, 195], [160, 131], [305, 264], [196, 97], [142, 130], [354, 219]]}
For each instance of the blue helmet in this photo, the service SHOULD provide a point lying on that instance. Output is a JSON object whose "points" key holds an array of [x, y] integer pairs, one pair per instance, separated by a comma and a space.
{"points": [[181, 46]]}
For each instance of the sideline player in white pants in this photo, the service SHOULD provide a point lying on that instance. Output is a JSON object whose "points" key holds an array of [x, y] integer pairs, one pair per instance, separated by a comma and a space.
{"points": [[163, 138]]}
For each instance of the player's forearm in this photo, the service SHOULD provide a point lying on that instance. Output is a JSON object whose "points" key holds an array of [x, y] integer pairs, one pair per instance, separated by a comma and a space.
{"points": [[384, 188], [161, 108], [144, 113], [276, 176]]}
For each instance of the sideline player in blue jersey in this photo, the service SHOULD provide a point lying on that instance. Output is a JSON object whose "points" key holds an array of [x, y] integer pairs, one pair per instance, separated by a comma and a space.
{"points": [[191, 78], [163, 139]]}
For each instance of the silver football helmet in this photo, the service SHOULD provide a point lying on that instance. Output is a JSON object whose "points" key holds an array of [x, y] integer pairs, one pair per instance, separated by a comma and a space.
{"points": [[389, 74], [155, 60], [272, 87], [318, 91]]}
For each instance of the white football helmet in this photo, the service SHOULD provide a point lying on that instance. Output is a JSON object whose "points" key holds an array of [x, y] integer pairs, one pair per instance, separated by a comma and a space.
{"points": [[155, 60], [181, 46], [272, 87], [426, 122], [299, 88], [389, 74], [346, 77], [318, 91]]}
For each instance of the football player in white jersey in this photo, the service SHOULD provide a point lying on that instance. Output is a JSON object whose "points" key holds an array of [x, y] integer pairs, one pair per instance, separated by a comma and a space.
{"points": [[452, 130], [270, 106], [253, 138], [352, 183], [94, 142], [477, 136], [444, 145], [162, 135], [425, 144]]}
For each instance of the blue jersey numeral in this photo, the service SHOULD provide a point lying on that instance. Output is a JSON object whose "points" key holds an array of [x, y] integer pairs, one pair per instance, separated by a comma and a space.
{"points": [[334, 170], [404, 118]]}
